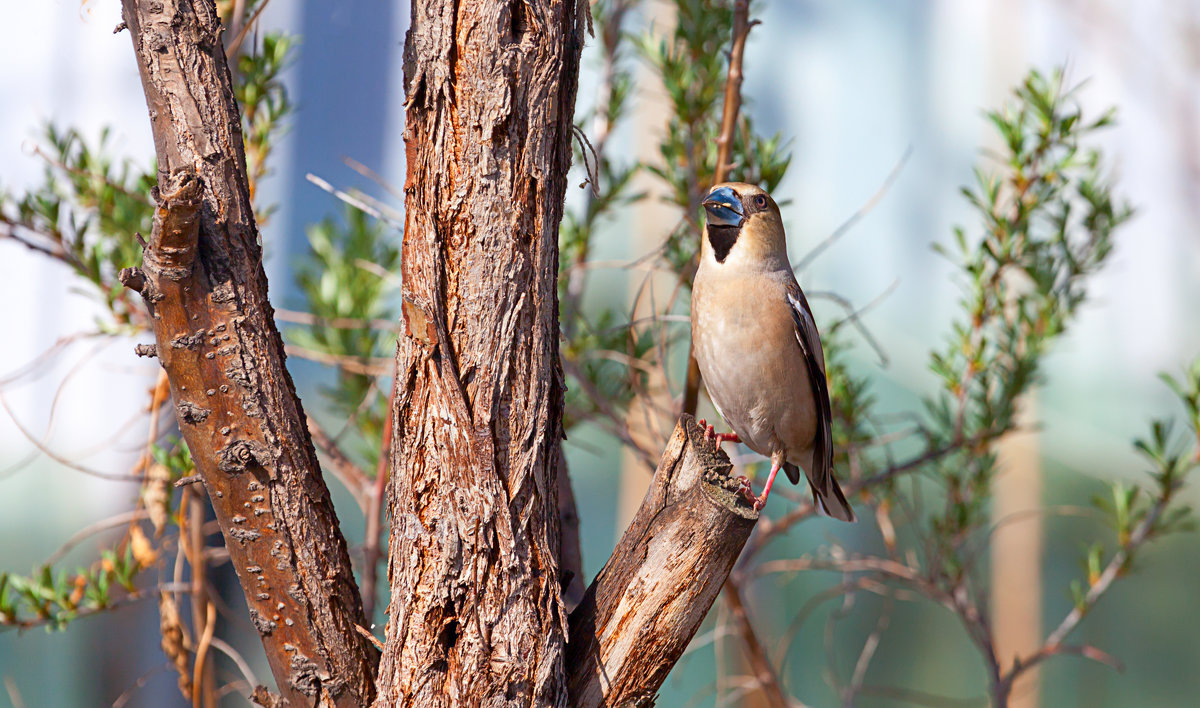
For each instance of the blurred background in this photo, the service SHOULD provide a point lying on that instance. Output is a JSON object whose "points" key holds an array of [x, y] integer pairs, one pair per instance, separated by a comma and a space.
{"points": [[855, 85]]}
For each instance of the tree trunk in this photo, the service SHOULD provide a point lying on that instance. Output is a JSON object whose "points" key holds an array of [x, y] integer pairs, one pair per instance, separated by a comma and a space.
{"points": [[644, 607], [205, 288], [475, 615]]}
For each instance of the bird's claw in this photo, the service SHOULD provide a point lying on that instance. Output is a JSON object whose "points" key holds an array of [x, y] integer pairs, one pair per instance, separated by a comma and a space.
{"points": [[747, 491]]}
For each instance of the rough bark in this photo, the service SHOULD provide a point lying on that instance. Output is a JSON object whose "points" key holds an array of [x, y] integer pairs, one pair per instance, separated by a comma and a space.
{"points": [[475, 615], [206, 291], [643, 608]]}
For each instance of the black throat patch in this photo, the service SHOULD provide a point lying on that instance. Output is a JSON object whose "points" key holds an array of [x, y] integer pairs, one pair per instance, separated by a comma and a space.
{"points": [[722, 239]]}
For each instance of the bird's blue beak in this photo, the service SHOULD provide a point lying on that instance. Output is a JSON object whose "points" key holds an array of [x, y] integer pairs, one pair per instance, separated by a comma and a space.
{"points": [[724, 208]]}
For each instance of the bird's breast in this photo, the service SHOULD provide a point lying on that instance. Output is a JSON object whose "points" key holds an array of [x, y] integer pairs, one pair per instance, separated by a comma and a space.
{"points": [[754, 371]]}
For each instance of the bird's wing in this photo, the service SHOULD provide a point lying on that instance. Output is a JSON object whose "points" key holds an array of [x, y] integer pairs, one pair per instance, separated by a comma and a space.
{"points": [[809, 340]]}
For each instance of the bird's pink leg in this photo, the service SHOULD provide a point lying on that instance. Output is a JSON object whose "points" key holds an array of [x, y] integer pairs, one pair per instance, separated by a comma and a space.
{"points": [[776, 463], [727, 437]]}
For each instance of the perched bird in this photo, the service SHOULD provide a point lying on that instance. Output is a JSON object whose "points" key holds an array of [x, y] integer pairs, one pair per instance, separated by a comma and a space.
{"points": [[757, 344]]}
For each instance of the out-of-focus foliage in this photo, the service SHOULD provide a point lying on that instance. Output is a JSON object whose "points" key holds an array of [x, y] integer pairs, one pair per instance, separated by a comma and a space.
{"points": [[692, 63], [265, 105], [85, 214], [88, 213], [53, 596], [1047, 215], [91, 205], [56, 598], [348, 276]]}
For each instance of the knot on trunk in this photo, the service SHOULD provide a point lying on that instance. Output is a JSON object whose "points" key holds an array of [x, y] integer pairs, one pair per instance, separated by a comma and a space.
{"points": [[235, 457]]}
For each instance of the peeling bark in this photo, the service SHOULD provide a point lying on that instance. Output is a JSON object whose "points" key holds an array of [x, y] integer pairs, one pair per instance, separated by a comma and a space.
{"points": [[476, 616], [206, 291], [646, 604]]}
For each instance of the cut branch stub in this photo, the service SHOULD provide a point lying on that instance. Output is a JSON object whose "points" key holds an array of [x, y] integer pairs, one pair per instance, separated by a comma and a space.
{"points": [[646, 604]]}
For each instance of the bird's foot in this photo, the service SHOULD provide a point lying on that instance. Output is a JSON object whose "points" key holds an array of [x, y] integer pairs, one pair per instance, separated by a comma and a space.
{"points": [[747, 491], [711, 434]]}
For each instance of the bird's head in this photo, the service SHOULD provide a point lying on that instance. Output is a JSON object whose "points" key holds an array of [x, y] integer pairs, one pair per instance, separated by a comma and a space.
{"points": [[743, 227]]}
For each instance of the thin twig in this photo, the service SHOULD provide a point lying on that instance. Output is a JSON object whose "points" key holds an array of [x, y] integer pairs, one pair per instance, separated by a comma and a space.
{"points": [[137, 685], [92, 176], [349, 474], [220, 645], [854, 317], [58, 458], [204, 619], [619, 427], [1054, 642], [868, 652], [374, 512], [91, 529], [857, 215], [13, 694], [10, 229], [364, 365], [373, 176], [769, 529], [198, 673], [239, 686], [237, 17], [755, 653], [370, 637], [354, 201], [22, 625], [235, 46], [307, 318], [733, 88], [44, 359]]}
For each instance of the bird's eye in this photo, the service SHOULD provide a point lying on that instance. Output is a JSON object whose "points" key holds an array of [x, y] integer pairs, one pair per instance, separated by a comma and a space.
{"points": [[760, 201]]}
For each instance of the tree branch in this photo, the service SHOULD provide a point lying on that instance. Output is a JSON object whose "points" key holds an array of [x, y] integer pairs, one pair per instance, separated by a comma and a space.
{"points": [[207, 293], [643, 608]]}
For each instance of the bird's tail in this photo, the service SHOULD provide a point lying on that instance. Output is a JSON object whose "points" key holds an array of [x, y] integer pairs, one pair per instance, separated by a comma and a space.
{"points": [[830, 501]]}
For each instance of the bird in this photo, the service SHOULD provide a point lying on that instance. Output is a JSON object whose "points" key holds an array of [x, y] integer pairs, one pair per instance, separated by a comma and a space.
{"points": [[757, 345]]}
